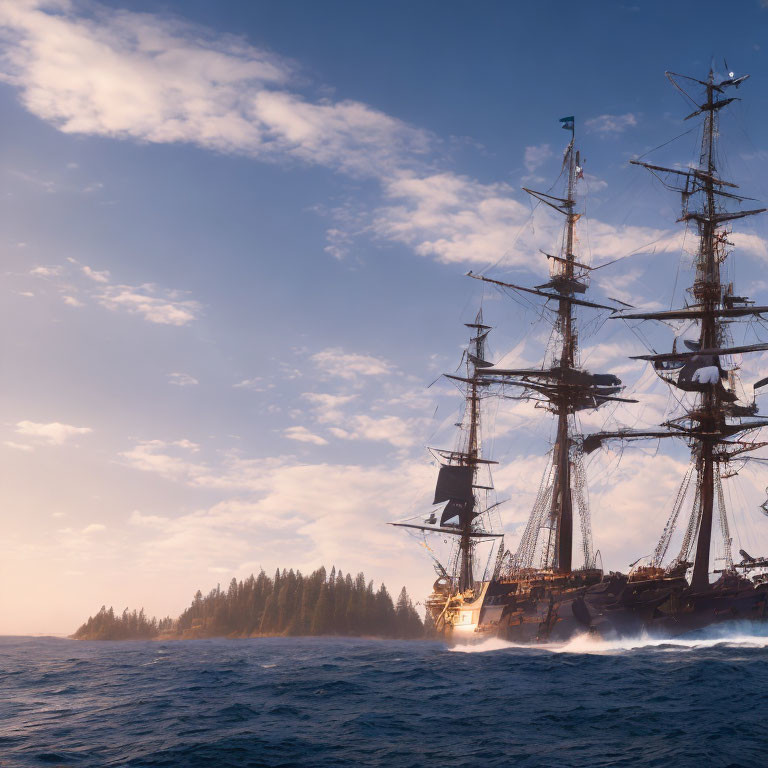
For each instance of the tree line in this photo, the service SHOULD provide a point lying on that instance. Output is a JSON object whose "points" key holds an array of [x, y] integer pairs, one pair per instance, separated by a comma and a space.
{"points": [[287, 604], [130, 625]]}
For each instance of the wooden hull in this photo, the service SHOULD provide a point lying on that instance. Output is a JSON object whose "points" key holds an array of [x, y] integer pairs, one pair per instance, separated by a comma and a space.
{"points": [[529, 612]]}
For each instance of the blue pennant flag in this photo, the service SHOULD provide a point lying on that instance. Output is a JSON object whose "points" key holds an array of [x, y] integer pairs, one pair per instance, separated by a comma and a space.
{"points": [[568, 122]]}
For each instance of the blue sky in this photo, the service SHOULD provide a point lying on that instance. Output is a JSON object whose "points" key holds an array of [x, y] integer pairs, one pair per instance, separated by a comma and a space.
{"points": [[234, 236]]}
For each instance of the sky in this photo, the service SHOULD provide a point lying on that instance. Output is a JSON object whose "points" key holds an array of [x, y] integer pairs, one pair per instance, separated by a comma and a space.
{"points": [[234, 240]]}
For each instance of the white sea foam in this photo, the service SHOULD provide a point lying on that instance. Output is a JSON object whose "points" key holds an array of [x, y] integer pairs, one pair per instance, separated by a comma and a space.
{"points": [[736, 634]]}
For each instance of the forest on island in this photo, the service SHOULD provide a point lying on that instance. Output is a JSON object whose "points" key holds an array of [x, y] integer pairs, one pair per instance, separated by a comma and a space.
{"points": [[287, 604]]}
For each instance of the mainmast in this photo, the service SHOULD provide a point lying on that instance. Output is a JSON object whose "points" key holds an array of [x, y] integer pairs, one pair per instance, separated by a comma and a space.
{"points": [[716, 418], [562, 499], [564, 387]]}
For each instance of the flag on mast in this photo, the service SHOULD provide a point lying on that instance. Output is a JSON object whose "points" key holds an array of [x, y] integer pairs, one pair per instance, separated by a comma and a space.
{"points": [[568, 123]]}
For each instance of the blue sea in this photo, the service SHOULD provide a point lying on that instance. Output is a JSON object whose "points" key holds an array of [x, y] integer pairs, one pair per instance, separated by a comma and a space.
{"points": [[698, 701]]}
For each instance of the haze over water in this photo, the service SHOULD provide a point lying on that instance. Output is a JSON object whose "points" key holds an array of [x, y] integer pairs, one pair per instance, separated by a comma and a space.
{"points": [[333, 702]]}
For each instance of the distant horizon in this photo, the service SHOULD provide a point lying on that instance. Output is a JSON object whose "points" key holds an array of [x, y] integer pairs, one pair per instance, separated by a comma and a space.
{"points": [[235, 241]]}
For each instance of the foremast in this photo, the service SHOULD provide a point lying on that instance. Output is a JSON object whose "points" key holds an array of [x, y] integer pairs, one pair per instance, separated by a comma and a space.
{"points": [[564, 388], [458, 482], [712, 425], [471, 453]]}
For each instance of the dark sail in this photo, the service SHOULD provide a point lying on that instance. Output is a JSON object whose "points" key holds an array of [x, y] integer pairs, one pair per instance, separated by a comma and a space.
{"points": [[463, 510], [455, 484]]}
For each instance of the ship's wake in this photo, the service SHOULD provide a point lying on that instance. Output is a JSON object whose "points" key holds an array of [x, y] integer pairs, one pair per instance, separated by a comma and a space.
{"points": [[743, 634]]}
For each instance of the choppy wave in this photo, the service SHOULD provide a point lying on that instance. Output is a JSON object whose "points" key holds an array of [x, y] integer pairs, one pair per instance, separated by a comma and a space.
{"points": [[744, 634], [641, 702]]}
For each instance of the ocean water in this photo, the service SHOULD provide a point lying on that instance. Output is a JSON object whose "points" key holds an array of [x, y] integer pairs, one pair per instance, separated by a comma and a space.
{"points": [[698, 701]]}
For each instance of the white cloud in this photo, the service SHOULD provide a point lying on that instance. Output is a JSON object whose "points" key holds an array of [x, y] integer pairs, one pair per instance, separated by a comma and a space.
{"points": [[182, 380], [317, 505], [606, 124], [303, 435], [400, 433], [458, 219], [334, 361], [454, 218], [157, 79], [165, 309], [536, 155], [53, 433], [43, 271], [154, 304], [750, 243], [327, 407], [155, 456], [94, 528]]}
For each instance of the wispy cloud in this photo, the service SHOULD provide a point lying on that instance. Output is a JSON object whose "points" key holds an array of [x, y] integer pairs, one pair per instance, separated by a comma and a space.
{"points": [[255, 384], [536, 155], [607, 124], [182, 380], [152, 303], [303, 435], [155, 304], [95, 275], [18, 446], [334, 361]]}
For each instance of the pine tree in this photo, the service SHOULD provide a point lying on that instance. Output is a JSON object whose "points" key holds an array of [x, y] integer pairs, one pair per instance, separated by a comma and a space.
{"points": [[292, 604]]}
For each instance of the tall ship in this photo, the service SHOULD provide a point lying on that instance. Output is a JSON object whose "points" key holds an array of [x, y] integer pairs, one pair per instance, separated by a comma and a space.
{"points": [[552, 587], [529, 593]]}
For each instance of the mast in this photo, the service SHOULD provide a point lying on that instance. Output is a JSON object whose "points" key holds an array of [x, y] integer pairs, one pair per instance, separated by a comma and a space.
{"points": [[707, 291], [710, 425], [457, 479], [562, 499], [472, 452], [564, 387]]}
